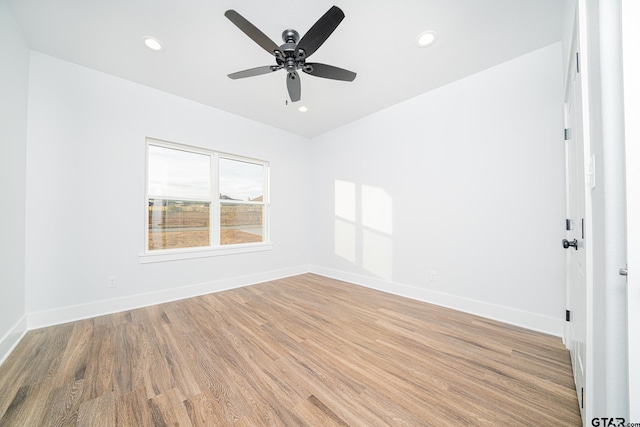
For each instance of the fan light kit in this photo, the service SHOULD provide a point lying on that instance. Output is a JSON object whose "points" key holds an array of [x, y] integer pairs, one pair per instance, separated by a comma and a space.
{"points": [[426, 39], [153, 43], [293, 54], [303, 109]]}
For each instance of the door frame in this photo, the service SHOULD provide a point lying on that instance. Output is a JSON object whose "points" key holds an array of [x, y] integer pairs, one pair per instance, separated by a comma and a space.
{"points": [[631, 67]]}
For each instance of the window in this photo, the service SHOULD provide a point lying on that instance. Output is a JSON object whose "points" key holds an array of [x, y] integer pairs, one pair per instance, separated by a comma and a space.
{"points": [[241, 201], [201, 200]]}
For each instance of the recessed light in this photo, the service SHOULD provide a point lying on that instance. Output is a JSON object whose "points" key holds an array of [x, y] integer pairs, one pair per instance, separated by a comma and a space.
{"points": [[303, 109], [153, 43], [426, 39]]}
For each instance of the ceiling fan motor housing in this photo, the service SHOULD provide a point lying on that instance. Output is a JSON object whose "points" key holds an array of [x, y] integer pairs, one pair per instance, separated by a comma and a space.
{"points": [[291, 60], [290, 36]]}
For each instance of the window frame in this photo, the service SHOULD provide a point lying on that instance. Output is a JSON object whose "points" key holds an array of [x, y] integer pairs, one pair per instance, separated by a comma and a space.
{"points": [[215, 248]]}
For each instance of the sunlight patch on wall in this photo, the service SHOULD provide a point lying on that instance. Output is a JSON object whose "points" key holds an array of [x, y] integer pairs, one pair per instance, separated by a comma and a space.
{"points": [[377, 209], [345, 240], [345, 220], [363, 227], [377, 254], [377, 228], [345, 200]]}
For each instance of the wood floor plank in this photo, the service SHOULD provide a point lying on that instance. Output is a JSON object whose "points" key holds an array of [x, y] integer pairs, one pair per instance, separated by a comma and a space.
{"points": [[64, 404], [204, 411], [213, 371], [28, 406], [167, 409], [316, 413], [49, 353], [181, 376], [98, 412], [300, 351], [128, 359], [133, 409], [99, 372], [16, 370]]}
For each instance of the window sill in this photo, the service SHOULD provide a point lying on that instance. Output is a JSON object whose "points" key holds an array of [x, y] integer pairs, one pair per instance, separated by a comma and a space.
{"points": [[179, 254]]}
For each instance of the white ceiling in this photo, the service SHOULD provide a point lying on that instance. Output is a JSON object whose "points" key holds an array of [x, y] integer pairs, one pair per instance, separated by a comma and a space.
{"points": [[376, 39]]}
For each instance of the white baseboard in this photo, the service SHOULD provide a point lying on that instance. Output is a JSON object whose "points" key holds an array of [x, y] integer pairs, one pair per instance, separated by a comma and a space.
{"points": [[528, 320], [11, 339], [533, 321], [58, 316]]}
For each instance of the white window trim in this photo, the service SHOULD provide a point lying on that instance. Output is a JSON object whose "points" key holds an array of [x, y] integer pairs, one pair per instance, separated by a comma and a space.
{"points": [[215, 248], [192, 253]]}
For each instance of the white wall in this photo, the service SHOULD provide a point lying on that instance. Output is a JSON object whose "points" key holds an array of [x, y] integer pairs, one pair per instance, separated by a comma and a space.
{"points": [[466, 180], [85, 193], [14, 74]]}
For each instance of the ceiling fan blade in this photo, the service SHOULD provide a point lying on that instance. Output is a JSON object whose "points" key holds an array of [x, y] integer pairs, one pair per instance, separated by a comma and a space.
{"points": [[253, 32], [321, 30], [252, 72], [293, 86], [329, 72]]}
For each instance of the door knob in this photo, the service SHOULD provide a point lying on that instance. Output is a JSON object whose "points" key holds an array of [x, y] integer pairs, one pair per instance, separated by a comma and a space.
{"points": [[567, 244]]}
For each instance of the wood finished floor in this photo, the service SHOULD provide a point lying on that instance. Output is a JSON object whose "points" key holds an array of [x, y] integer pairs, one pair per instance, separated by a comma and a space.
{"points": [[302, 351]]}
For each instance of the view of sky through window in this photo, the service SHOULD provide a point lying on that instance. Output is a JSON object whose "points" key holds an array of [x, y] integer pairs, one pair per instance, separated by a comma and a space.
{"points": [[178, 174], [240, 180]]}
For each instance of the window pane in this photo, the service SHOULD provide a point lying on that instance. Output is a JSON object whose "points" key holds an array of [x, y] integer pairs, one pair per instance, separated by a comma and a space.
{"points": [[177, 173], [240, 223], [177, 224], [240, 181]]}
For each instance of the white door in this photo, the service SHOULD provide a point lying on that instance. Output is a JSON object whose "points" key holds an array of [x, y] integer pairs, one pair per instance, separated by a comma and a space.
{"points": [[576, 328], [631, 61]]}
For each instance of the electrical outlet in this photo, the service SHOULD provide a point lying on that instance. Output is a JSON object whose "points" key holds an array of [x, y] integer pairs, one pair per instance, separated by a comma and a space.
{"points": [[433, 276], [111, 282]]}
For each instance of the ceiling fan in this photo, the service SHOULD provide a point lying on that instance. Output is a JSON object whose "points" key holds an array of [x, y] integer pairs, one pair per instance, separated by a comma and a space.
{"points": [[293, 54]]}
